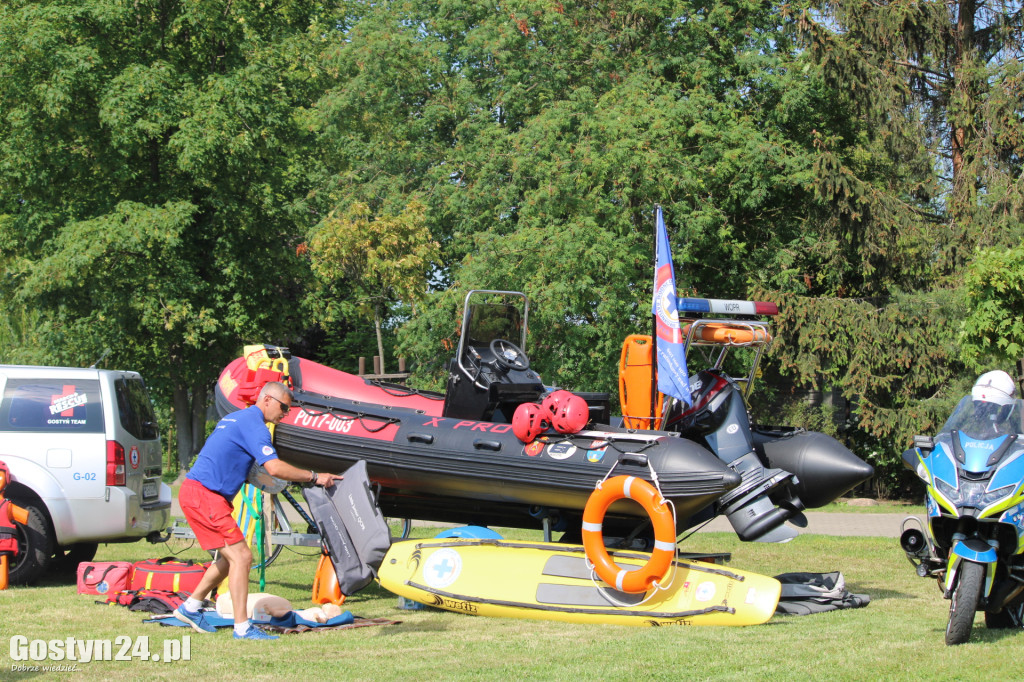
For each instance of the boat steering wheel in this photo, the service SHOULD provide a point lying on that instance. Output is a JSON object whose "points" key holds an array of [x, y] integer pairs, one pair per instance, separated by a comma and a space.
{"points": [[508, 356]]}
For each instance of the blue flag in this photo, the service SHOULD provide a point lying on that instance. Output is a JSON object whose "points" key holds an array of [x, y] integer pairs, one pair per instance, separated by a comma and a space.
{"points": [[673, 377]]}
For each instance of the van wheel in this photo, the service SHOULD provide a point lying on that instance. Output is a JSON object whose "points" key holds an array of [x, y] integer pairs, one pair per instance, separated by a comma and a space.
{"points": [[66, 559], [35, 545]]}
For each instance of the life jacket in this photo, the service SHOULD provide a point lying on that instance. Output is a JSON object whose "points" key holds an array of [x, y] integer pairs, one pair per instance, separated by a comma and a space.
{"points": [[8, 533]]}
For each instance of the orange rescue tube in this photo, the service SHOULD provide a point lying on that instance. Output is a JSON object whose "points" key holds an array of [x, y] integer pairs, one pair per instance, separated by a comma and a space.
{"points": [[635, 383], [657, 508], [730, 334]]}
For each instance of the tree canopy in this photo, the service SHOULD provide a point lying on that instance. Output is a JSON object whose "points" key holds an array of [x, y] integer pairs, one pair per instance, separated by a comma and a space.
{"points": [[178, 179], [148, 164], [932, 184]]}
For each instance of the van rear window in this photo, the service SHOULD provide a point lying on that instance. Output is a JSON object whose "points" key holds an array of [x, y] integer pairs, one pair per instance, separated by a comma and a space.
{"points": [[135, 408], [34, 405]]}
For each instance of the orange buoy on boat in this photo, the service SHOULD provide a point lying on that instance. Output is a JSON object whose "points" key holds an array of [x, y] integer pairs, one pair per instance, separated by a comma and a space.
{"points": [[734, 334], [609, 492]]}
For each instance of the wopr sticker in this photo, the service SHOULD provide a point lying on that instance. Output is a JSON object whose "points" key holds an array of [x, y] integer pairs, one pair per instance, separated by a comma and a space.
{"points": [[561, 450], [442, 568], [705, 591]]}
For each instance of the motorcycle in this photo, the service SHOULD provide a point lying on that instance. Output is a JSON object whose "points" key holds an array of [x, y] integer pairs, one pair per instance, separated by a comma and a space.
{"points": [[974, 473]]}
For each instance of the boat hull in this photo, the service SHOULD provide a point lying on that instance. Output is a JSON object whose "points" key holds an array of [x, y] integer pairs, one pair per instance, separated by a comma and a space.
{"points": [[463, 471], [825, 468]]}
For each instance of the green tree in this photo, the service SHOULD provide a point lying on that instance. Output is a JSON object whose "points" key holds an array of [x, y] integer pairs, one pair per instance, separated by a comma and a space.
{"points": [[928, 173], [992, 335], [367, 265], [541, 136], [149, 157], [944, 77]]}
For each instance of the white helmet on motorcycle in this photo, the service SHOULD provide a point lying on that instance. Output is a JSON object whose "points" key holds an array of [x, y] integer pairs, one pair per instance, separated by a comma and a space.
{"points": [[993, 395], [994, 387]]}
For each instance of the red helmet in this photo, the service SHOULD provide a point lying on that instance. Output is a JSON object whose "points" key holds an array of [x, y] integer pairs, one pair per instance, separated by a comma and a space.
{"points": [[529, 421], [5, 475], [553, 400], [571, 414]]}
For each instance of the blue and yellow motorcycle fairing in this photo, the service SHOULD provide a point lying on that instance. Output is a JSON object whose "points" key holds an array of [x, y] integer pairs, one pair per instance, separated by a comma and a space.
{"points": [[974, 476]]}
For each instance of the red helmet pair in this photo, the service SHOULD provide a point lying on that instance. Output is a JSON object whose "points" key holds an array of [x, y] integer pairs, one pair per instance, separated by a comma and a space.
{"points": [[565, 411]]}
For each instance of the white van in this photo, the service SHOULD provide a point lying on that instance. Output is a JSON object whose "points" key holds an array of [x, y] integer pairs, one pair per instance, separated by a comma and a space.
{"points": [[84, 453]]}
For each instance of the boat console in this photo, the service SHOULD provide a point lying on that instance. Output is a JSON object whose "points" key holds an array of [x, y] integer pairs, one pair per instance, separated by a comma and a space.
{"points": [[490, 375]]}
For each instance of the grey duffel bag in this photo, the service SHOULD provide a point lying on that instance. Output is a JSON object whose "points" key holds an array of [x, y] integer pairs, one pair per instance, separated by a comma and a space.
{"points": [[352, 527]]}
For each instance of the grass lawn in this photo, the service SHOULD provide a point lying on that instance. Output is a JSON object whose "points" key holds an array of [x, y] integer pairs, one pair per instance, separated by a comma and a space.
{"points": [[898, 636]]}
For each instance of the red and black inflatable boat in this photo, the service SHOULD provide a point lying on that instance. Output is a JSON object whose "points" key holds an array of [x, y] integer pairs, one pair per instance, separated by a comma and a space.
{"points": [[454, 457], [439, 464]]}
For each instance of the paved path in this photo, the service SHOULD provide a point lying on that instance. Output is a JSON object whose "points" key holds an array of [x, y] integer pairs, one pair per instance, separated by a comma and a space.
{"points": [[820, 523], [836, 523]]}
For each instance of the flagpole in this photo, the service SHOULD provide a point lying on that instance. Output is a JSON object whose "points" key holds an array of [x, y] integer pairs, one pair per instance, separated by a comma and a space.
{"points": [[654, 369], [654, 337]]}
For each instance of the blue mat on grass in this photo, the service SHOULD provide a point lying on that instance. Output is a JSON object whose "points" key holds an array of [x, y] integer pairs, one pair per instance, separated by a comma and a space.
{"points": [[291, 620]]}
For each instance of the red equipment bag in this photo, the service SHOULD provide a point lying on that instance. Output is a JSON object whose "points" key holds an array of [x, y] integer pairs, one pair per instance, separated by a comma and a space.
{"points": [[103, 577], [151, 601], [167, 574]]}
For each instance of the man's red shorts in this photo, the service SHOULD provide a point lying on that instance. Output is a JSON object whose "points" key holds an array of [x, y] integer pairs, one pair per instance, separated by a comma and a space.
{"points": [[208, 515]]}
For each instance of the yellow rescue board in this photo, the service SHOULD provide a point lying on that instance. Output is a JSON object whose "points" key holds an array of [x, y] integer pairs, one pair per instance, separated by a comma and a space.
{"points": [[551, 581]]}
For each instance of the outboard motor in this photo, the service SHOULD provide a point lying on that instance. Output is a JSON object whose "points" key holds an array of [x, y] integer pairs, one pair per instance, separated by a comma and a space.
{"points": [[765, 500]]}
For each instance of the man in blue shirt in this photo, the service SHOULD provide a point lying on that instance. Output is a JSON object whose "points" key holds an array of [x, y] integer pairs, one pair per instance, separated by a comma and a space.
{"points": [[240, 440]]}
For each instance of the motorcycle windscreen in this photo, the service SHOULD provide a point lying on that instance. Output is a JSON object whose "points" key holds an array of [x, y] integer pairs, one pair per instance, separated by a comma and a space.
{"points": [[983, 420]]}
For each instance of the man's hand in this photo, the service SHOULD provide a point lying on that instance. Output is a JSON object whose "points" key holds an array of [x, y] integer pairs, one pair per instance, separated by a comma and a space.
{"points": [[286, 471], [327, 480]]}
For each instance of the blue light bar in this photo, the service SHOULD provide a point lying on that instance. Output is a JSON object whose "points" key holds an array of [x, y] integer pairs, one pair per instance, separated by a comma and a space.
{"points": [[721, 307]]}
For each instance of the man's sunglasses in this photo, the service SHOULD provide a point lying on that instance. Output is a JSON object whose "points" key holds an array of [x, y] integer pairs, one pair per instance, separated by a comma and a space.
{"points": [[285, 407]]}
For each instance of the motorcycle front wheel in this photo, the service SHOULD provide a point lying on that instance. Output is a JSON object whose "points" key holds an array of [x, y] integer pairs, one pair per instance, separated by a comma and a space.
{"points": [[964, 602]]}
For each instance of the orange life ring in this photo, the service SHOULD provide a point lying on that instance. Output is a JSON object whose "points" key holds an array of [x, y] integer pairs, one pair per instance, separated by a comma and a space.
{"points": [[650, 499]]}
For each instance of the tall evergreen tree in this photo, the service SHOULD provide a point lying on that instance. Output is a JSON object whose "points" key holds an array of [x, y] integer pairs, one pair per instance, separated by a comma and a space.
{"points": [[932, 174], [946, 75]]}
